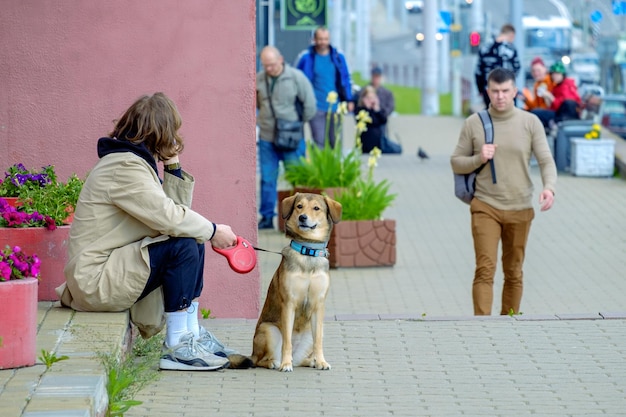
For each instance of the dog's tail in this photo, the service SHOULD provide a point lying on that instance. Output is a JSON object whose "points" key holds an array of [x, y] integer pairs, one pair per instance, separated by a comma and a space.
{"points": [[238, 361]]}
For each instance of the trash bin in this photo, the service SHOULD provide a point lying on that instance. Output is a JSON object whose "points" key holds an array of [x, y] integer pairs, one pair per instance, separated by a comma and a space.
{"points": [[568, 129]]}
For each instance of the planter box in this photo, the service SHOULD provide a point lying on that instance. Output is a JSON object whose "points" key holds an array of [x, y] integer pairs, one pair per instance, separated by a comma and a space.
{"points": [[363, 243], [50, 246], [18, 327], [592, 158]]}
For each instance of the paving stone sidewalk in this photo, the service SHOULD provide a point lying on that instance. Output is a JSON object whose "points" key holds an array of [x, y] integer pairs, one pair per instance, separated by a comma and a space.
{"points": [[401, 340]]}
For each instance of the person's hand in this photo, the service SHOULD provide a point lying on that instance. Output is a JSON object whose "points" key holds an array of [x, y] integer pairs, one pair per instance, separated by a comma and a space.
{"points": [[350, 107], [546, 199], [375, 104], [224, 237], [487, 152]]}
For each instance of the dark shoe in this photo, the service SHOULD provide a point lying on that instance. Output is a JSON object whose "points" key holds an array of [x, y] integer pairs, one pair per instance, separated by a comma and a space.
{"points": [[266, 223]]}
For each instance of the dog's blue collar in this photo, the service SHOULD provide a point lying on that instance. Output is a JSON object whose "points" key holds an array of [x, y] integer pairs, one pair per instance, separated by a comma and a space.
{"points": [[310, 249]]}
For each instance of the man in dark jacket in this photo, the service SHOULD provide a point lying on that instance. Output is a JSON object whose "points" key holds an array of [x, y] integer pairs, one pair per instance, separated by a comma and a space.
{"points": [[327, 70], [500, 53]]}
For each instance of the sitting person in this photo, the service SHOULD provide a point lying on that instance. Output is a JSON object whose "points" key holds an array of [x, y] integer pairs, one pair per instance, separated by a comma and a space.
{"points": [[563, 100], [543, 82], [373, 136], [135, 243]]}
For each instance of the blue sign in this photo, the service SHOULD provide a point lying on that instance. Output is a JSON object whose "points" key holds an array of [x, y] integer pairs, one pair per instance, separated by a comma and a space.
{"points": [[619, 7], [596, 16], [444, 21]]}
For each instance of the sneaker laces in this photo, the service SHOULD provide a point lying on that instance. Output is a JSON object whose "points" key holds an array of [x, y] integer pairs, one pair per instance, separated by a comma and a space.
{"points": [[207, 338]]}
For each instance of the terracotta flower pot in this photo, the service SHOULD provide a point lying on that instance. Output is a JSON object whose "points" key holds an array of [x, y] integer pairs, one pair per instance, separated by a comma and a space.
{"points": [[356, 243], [18, 327], [49, 245], [12, 201]]}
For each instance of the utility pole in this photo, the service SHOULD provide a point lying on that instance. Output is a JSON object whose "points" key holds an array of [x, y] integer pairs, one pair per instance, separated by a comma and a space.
{"points": [[430, 96], [338, 24], [457, 62], [517, 11], [362, 52]]}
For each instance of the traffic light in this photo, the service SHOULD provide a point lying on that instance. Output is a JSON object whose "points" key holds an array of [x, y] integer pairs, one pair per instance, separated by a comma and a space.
{"points": [[474, 39]]}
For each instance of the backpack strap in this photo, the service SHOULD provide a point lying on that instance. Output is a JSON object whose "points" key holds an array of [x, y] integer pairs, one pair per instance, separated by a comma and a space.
{"points": [[485, 117]]}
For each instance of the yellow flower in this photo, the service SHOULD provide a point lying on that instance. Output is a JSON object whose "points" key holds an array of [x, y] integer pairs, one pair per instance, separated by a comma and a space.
{"points": [[376, 153], [361, 126], [372, 162], [332, 97], [363, 116], [342, 108], [594, 133]]}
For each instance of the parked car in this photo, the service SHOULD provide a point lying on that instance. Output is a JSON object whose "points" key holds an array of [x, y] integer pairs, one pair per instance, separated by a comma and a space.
{"points": [[585, 66], [613, 113], [414, 6]]}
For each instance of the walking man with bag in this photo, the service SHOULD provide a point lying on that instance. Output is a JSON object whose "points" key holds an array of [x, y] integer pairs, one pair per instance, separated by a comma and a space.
{"points": [[285, 99], [502, 209]]}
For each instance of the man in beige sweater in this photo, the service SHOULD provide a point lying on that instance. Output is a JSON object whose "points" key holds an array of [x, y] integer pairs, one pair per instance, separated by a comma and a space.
{"points": [[502, 210]]}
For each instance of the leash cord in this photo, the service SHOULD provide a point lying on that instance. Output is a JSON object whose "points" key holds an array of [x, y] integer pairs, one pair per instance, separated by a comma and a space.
{"points": [[265, 250]]}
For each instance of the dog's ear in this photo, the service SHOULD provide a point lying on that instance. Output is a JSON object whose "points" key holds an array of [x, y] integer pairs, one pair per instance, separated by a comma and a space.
{"points": [[334, 209], [286, 206]]}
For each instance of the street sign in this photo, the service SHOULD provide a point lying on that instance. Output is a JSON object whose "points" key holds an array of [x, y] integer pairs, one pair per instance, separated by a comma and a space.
{"points": [[302, 15], [444, 20], [619, 7], [596, 16]]}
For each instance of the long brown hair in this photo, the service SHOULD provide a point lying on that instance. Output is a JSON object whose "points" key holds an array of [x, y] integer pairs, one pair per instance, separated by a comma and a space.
{"points": [[154, 121]]}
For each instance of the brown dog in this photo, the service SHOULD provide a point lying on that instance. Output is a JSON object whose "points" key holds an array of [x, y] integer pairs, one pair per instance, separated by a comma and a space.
{"points": [[290, 330]]}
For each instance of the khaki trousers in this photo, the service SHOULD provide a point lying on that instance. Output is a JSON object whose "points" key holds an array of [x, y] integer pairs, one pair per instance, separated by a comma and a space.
{"points": [[489, 227]]}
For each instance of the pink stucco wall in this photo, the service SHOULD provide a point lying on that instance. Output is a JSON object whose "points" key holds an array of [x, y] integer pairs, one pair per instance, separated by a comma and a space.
{"points": [[69, 68]]}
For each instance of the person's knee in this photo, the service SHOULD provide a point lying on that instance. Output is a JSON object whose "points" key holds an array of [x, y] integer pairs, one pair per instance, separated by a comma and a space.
{"points": [[186, 248]]}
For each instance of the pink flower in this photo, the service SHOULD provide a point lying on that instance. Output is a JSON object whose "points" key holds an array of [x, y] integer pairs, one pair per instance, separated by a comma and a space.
{"points": [[5, 271]]}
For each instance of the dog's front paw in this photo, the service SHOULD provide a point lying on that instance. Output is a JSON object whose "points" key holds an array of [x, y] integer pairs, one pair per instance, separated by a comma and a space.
{"points": [[323, 365], [286, 367]]}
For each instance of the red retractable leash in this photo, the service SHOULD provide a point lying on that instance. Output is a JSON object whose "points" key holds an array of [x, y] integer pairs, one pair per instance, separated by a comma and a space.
{"points": [[241, 257]]}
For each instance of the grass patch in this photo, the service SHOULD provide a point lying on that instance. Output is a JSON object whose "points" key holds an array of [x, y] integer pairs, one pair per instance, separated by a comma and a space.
{"points": [[409, 99]]}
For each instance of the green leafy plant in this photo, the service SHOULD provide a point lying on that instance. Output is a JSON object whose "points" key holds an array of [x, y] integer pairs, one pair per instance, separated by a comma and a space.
{"points": [[50, 358], [41, 194], [513, 313], [57, 200], [325, 167], [206, 313], [127, 376], [365, 199], [17, 179]]}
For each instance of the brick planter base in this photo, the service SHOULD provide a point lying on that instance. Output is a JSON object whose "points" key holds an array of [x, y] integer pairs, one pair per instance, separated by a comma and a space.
{"points": [[50, 246], [18, 327], [363, 243]]}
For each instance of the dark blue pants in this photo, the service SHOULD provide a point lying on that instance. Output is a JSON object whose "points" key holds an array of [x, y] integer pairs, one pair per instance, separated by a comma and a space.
{"points": [[177, 265]]}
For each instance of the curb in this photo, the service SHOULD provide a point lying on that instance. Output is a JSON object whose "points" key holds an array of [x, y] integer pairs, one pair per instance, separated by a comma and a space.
{"points": [[77, 386]]}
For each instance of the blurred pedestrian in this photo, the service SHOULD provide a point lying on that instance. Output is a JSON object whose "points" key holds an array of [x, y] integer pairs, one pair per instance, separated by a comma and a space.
{"points": [[500, 53], [279, 87], [542, 83], [502, 209], [327, 70], [385, 97], [369, 102], [563, 100], [136, 244]]}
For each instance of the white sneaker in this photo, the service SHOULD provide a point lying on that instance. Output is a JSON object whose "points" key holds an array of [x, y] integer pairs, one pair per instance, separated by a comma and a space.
{"points": [[188, 356], [209, 343]]}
